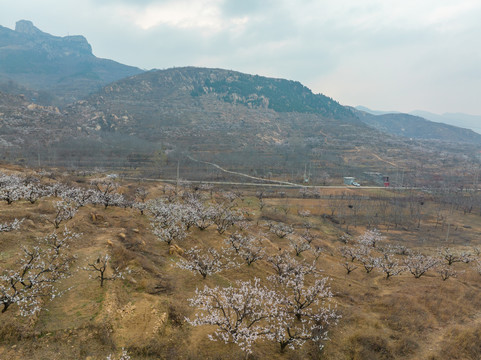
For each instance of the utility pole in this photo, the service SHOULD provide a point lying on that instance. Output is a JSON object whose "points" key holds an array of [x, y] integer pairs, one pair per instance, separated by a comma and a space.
{"points": [[177, 182], [475, 180]]}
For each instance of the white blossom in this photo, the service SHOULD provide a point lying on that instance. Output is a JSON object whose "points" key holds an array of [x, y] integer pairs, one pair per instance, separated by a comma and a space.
{"points": [[204, 262], [418, 264], [37, 273], [14, 225], [240, 313], [64, 210], [370, 238], [281, 230]]}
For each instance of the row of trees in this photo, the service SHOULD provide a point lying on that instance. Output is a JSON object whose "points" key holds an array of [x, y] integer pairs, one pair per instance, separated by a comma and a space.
{"points": [[101, 191], [372, 253]]}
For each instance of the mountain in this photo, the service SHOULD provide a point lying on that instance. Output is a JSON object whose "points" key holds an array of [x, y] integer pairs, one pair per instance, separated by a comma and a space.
{"points": [[238, 120], [417, 127], [374, 112], [51, 69], [201, 120], [472, 122], [149, 122]]}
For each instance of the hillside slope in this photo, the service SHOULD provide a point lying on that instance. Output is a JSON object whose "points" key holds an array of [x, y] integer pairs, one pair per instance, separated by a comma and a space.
{"points": [[201, 120], [386, 313], [417, 127], [244, 121]]}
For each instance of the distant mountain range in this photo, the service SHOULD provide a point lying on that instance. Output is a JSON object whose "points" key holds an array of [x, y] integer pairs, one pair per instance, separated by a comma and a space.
{"points": [[51, 69], [472, 122], [416, 127]]}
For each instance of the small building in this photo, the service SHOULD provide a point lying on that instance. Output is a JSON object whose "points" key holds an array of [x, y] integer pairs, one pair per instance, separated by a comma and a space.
{"points": [[349, 180], [386, 180]]}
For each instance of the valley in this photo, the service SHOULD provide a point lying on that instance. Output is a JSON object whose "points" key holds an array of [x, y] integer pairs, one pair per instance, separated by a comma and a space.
{"points": [[203, 213]]}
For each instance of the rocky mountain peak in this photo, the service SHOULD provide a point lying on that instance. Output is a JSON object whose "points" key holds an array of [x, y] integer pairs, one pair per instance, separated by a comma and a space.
{"points": [[27, 27], [63, 68]]}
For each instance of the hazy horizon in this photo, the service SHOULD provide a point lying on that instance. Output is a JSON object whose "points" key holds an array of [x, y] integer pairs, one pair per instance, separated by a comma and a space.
{"points": [[380, 54]]}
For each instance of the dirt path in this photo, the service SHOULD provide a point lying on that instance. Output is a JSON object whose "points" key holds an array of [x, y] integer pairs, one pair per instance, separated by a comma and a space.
{"points": [[245, 175], [383, 160]]}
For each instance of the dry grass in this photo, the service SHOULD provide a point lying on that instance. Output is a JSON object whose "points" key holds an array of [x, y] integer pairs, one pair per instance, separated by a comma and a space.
{"points": [[399, 318]]}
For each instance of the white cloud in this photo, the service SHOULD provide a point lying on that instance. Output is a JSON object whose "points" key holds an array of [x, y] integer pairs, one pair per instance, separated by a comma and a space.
{"points": [[201, 15]]}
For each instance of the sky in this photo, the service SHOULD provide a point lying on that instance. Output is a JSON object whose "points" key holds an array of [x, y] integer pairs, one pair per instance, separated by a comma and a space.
{"points": [[398, 55]]}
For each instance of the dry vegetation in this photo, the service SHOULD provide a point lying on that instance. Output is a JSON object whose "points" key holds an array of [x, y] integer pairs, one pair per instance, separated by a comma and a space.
{"points": [[145, 310]]}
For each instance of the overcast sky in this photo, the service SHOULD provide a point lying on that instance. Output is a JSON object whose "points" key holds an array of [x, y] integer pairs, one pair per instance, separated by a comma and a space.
{"points": [[384, 54]]}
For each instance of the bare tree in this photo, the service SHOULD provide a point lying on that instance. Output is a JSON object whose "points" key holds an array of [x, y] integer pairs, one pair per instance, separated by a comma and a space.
{"points": [[299, 246], [349, 266], [100, 266]]}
